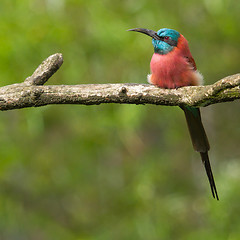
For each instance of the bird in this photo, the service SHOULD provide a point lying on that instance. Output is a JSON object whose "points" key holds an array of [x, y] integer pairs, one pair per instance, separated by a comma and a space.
{"points": [[172, 66]]}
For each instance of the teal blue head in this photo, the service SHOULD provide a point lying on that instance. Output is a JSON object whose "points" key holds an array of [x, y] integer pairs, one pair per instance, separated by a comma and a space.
{"points": [[164, 40]]}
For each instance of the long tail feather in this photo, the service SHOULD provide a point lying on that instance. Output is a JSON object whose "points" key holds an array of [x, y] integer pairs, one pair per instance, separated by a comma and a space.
{"points": [[208, 169], [200, 142]]}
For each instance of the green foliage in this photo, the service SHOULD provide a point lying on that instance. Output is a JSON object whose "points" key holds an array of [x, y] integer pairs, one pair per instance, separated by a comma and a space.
{"points": [[115, 171]]}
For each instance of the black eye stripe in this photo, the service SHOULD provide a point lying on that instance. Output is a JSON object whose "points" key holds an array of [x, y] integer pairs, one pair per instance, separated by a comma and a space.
{"points": [[172, 42], [169, 41]]}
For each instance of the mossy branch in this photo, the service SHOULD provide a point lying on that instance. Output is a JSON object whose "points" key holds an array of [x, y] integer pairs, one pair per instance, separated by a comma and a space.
{"points": [[32, 93]]}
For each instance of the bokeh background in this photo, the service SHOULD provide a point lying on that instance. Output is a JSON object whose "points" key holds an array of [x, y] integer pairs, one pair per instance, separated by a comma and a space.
{"points": [[120, 172]]}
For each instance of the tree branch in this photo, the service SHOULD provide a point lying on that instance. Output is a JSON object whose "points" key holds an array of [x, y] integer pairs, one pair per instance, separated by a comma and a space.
{"points": [[31, 93]]}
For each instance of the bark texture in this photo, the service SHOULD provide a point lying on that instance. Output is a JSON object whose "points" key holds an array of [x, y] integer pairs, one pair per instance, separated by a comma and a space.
{"points": [[32, 93]]}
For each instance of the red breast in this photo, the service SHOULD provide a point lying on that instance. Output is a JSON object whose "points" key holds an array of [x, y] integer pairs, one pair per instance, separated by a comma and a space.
{"points": [[174, 69]]}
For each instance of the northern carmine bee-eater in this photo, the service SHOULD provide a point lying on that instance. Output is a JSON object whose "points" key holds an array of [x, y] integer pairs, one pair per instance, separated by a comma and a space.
{"points": [[172, 66]]}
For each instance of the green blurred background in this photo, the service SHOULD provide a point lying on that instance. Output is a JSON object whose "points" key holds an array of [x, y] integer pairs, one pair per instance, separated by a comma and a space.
{"points": [[121, 172]]}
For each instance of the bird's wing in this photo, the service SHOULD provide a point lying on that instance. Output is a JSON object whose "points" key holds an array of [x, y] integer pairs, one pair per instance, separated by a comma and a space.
{"points": [[191, 62]]}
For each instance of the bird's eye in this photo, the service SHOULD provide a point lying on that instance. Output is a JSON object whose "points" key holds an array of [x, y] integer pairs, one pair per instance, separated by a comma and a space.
{"points": [[166, 38]]}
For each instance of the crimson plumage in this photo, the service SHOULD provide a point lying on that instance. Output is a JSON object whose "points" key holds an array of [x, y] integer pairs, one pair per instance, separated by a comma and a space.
{"points": [[175, 69], [172, 66]]}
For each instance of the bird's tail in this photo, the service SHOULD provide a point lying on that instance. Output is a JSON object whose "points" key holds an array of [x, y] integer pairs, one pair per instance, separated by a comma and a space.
{"points": [[200, 142]]}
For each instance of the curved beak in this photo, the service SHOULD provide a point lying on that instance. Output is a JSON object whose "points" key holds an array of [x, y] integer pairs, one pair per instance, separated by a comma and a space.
{"points": [[148, 32]]}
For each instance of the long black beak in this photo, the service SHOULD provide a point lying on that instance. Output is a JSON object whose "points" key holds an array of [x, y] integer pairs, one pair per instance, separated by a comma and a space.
{"points": [[148, 32]]}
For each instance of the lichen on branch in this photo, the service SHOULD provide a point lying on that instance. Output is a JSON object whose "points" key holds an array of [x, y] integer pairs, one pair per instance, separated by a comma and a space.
{"points": [[32, 93]]}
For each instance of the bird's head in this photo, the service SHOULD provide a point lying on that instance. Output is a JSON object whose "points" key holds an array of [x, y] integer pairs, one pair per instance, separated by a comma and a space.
{"points": [[164, 40]]}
